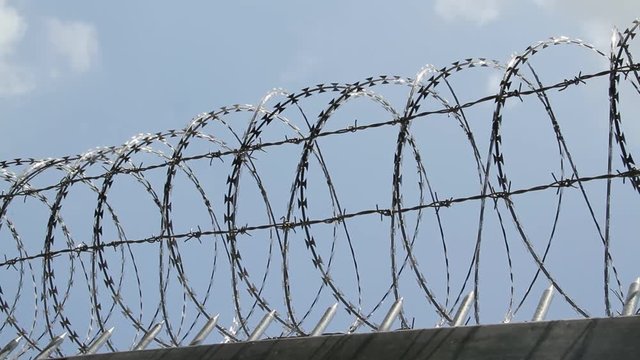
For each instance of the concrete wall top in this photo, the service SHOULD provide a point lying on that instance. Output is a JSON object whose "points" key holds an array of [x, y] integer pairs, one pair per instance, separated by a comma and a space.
{"points": [[610, 338]]}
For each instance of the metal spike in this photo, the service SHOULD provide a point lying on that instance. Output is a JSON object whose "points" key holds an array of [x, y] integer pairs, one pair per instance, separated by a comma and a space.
{"points": [[7, 349], [205, 331], [543, 304], [51, 347], [461, 315], [632, 298], [97, 344], [325, 320], [356, 324], [262, 326], [391, 316], [148, 337]]}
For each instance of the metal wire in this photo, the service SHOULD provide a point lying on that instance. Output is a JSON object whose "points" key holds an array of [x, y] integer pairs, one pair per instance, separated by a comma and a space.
{"points": [[106, 266]]}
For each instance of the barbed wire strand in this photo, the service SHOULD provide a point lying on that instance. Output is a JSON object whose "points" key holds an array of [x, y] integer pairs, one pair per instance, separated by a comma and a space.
{"points": [[106, 277]]}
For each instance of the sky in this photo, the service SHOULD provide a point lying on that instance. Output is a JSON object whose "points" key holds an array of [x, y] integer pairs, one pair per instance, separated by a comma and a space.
{"points": [[76, 75]]}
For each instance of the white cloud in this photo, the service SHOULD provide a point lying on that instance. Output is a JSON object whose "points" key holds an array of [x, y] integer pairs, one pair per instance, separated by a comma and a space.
{"points": [[611, 9], [12, 28], [75, 41], [547, 4], [593, 16], [478, 11], [14, 79], [596, 17]]}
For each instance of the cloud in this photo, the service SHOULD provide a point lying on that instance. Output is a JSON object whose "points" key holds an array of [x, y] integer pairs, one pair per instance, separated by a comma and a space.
{"points": [[478, 11], [612, 9], [74, 41], [14, 79], [595, 17], [12, 28]]}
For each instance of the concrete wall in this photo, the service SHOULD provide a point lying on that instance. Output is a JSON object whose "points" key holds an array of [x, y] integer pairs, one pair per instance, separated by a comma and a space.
{"points": [[613, 338]]}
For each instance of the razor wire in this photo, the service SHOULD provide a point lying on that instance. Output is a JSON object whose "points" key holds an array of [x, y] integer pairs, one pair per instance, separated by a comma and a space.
{"points": [[106, 265]]}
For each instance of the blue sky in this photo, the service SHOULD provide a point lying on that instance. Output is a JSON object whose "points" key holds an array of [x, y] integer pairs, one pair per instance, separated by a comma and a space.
{"points": [[77, 75]]}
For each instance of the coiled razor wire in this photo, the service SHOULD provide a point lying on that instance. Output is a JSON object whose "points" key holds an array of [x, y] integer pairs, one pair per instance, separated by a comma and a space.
{"points": [[165, 261]]}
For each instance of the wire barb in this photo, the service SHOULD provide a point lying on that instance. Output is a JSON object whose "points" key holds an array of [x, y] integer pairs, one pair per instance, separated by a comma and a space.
{"points": [[260, 190]]}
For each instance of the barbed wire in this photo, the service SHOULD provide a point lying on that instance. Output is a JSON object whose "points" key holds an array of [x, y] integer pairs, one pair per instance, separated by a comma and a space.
{"points": [[302, 224], [197, 234]]}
